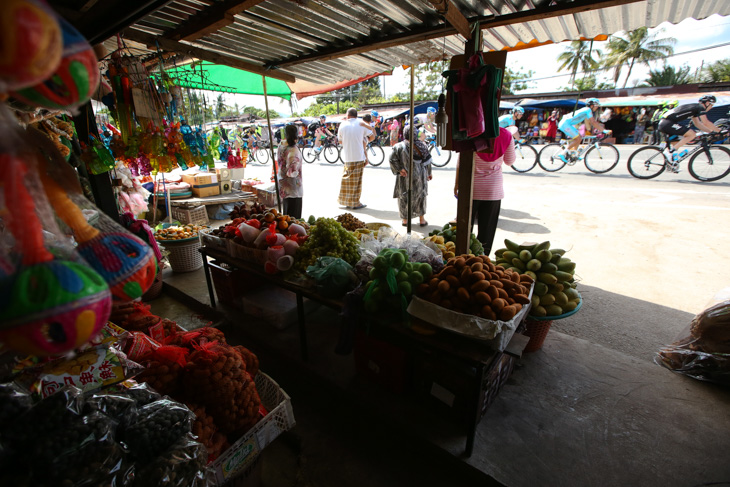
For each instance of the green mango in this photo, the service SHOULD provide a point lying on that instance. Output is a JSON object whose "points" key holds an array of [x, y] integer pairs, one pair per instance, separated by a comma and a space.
{"points": [[554, 310], [544, 255], [566, 265], [509, 255], [549, 267], [561, 299], [555, 288], [570, 306], [557, 251], [533, 265], [519, 264], [555, 258], [531, 274], [541, 246], [525, 255], [547, 278], [563, 276], [498, 253], [538, 311], [513, 246], [541, 288], [535, 300], [529, 247], [571, 293], [547, 299]]}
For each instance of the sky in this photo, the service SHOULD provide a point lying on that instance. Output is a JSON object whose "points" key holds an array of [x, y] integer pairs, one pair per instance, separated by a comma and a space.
{"points": [[691, 35]]}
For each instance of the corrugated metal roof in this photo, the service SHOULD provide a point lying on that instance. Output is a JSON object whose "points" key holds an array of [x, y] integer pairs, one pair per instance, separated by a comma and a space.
{"points": [[313, 40]]}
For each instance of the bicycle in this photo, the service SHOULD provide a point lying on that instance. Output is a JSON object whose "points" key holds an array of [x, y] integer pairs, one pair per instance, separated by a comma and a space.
{"points": [[439, 157], [329, 148], [260, 153], [525, 157], [599, 157], [375, 153], [714, 160]]}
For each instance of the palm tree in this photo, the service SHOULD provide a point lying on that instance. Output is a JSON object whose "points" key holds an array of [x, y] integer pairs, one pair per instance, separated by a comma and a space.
{"points": [[578, 55], [717, 71], [669, 76], [638, 47]]}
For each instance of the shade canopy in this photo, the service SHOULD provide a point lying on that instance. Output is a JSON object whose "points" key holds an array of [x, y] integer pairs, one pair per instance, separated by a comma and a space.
{"points": [[530, 103], [204, 75]]}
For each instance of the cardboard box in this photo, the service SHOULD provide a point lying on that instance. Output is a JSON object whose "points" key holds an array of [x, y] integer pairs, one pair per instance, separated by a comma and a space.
{"points": [[203, 184], [237, 173]]}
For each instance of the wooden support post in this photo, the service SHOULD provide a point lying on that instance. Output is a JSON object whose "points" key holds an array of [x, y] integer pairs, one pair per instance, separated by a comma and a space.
{"points": [[465, 166]]}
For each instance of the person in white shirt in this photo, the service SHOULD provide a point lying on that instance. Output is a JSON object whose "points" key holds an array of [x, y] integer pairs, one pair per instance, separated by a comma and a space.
{"points": [[351, 134]]}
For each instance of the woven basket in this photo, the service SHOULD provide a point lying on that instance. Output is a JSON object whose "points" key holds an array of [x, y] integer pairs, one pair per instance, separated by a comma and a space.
{"points": [[537, 331], [184, 257], [376, 226], [249, 254]]}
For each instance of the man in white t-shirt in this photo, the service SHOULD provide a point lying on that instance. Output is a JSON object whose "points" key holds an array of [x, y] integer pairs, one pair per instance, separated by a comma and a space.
{"points": [[351, 134]]}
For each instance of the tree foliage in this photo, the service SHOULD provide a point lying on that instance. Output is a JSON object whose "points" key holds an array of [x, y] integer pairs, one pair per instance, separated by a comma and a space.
{"points": [[579, 55], [515, 80], [636, 46], [716, 72], [669, 76]]}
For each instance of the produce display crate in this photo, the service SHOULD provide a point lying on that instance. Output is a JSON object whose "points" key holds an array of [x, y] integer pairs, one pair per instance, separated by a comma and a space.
{"points": [[248, 254], [212, 241], [194, 216], [266, 198], [241, 457]]}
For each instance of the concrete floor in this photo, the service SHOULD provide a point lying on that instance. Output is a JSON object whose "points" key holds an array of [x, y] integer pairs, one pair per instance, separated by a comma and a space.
{"points": [[575, 413]]}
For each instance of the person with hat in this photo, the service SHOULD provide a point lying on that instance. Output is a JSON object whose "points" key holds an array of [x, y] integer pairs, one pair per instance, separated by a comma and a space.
{"points": [[570, 122], [697, 113]]}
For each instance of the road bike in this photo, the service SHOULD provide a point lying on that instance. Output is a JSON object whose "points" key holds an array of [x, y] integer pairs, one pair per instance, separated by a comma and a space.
{"points": [[328, 147], [375, 153], [525, 156], [260, 152], [707, 162], [439, 156], [599, 157]]}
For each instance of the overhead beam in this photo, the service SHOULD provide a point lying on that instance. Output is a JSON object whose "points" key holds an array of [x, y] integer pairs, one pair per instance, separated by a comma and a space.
{"points": [[210, 20], [169, 45], [453, 16], [428, 33]]}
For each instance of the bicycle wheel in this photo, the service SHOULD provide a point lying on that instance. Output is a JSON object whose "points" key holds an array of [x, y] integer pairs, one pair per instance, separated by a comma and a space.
{"points": [[710, 164], [331, 154], [262, 156], [601, 159], [525, 158], [647, 162], [309, 154], [547, 160], [376, 155], [439, 157]]}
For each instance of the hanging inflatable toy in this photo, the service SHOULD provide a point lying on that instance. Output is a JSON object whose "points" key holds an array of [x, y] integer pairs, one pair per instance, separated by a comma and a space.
{"points": [[48, 306], [125, 262], [73, 82], [30, 43]]}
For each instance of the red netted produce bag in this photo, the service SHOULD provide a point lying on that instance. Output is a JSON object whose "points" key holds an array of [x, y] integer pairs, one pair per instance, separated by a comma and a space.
{"points": [[134, 316], [165, 331], [216, 377], [198, 337], [249, 358], [164, 369]]}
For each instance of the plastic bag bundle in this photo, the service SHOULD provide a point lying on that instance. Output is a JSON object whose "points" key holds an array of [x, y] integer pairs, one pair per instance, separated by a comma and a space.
{"points": [[182, 465], [156, 427], [416, 249], [333, 276], [702, 350]]}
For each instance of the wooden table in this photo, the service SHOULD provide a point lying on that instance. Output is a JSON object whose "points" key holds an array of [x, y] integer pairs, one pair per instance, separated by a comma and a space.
{"points": [[479, 363]]}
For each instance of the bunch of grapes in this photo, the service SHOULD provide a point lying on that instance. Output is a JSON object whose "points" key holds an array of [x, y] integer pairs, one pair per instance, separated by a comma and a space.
{"points": [[327, 237]]}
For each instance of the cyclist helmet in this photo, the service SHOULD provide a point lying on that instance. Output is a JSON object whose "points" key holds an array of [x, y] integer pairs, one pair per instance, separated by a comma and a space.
{"points": [[673, 103], [593, 101], [518, 110], [708, 99], [431, 110], [374, 114], [323, 117]]}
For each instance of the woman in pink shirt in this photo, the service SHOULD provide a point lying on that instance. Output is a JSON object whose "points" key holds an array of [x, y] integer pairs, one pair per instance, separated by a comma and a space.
{"points": [[488, 187]]}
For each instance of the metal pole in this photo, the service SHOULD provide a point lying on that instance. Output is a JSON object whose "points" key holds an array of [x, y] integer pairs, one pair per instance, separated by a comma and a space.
{"points": [[271, 147], [410, 153]]}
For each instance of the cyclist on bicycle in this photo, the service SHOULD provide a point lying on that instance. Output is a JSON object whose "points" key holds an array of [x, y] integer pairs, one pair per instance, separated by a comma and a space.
{"points": [[321, 133], [571, 121], [426, 121], [697, 112], [377, 122], [509, 121]]}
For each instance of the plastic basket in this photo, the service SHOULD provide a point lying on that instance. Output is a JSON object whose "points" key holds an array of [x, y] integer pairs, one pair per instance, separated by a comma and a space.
{"points": [[195, 216], [184, 257], [242, 455], [211, 240], [537, 330]]}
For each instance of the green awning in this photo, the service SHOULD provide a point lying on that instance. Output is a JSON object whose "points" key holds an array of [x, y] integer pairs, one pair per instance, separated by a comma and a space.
{"points": [[203, 75]]}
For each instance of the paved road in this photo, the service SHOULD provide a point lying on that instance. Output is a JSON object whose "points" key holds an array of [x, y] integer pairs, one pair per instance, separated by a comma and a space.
{"points": [[650, 254]]}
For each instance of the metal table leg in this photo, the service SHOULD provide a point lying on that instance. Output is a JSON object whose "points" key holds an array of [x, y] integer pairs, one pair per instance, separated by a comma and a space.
{"points": [[206, 270], [302, 328]]}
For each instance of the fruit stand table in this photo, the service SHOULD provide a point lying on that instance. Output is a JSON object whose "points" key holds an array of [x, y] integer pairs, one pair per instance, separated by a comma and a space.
{"points": [[219, 199], [478, 371]]}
